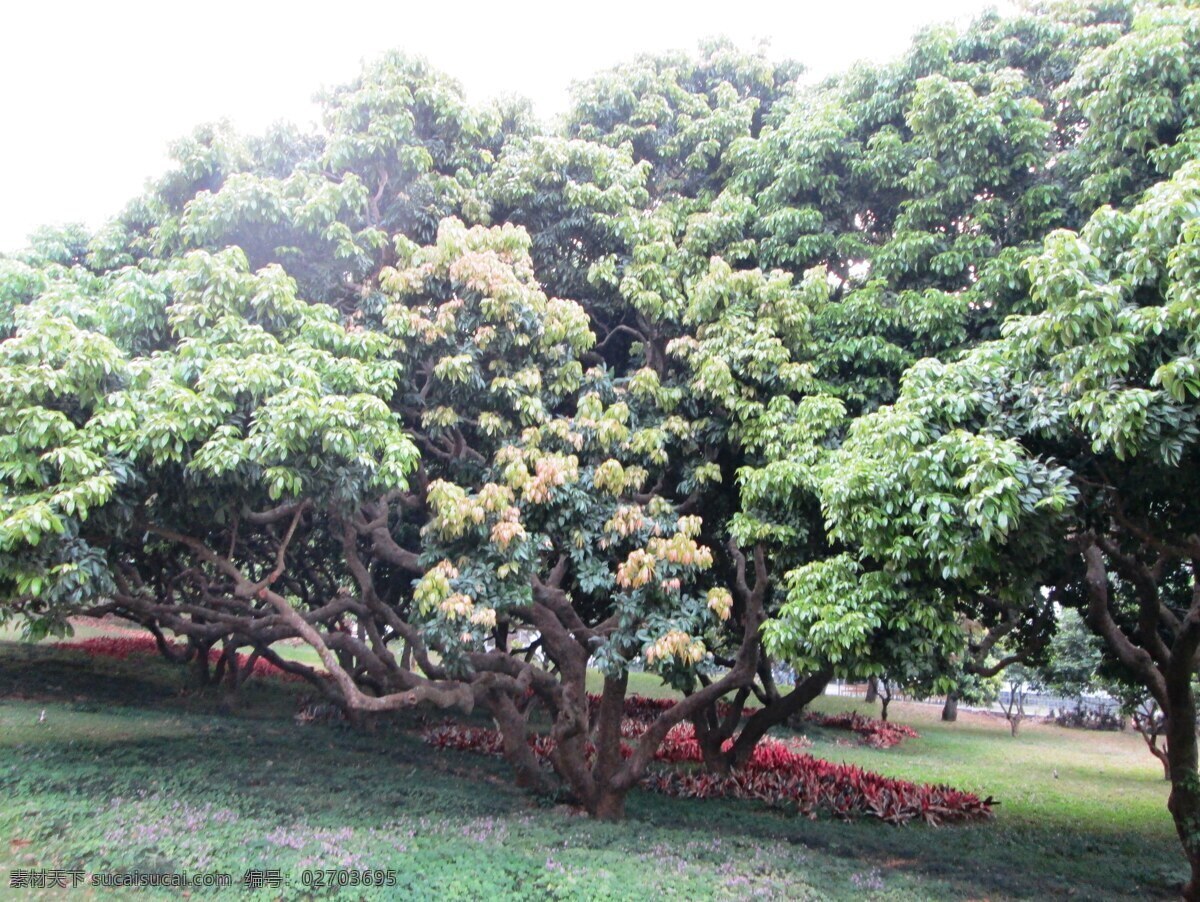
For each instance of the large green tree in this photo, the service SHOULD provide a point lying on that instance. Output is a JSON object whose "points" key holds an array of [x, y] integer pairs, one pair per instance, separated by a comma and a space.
{"points": [[724, 374], [1063, 455], [1056, 462]]}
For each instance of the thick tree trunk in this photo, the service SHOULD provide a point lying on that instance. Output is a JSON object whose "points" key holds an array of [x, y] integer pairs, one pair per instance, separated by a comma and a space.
{"points": [[712, 731], [883, 709], [872, 690], [609, 805], [1014, 722], [607, 732], [1184, 801], [950, 709], [227, 677], [599, 789]]}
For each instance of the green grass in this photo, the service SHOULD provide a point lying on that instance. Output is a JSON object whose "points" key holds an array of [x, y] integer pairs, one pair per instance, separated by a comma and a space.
{"points": [[131, 769]]}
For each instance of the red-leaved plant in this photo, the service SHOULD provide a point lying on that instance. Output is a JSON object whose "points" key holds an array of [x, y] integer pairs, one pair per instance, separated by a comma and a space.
{"points": [[122, 647], [878, 734], [774, 774]]}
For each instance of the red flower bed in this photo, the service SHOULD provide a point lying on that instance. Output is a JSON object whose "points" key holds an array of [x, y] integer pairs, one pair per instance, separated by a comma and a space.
{"points": [[876, 733], [774, 774], [121, 647], [880, 734]]}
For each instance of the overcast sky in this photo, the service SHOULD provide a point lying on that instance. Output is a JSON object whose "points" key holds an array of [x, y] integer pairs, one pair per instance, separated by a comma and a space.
{"points": [[92, 92]]}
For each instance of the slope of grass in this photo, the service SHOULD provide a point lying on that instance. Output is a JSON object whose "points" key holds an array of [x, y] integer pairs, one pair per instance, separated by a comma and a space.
{"points": [[108, 765]]}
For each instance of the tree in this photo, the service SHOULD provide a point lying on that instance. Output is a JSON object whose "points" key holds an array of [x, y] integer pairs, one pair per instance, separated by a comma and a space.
{"points": [[1070, 443], [1019, 681], [1061, 454], [975, 672], [411, 463], [1074, 658], [1079, 663], [1148, 720], [899, 200]]}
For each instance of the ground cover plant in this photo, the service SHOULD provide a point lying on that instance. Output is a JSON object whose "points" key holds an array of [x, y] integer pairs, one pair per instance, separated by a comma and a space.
{"points": [[870, 377]]}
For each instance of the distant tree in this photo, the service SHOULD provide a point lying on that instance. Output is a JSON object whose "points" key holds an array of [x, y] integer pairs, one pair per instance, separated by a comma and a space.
{"points": [[1074, 659], [1149, 720], [1018, 679]]}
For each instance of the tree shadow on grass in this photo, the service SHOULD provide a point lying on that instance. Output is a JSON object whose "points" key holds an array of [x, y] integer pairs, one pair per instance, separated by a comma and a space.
{"points": [[267, 767]]}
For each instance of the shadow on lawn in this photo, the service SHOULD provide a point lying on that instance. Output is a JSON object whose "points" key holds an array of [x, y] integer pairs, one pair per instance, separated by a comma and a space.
{"points": [[260, 762]]}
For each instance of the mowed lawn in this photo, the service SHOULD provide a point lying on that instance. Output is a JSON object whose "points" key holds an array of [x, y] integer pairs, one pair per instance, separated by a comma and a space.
{"points": [[123, 765]]}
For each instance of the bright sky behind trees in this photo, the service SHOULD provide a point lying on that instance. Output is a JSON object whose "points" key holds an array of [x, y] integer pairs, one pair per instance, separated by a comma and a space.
{"points": [[94, 92]]}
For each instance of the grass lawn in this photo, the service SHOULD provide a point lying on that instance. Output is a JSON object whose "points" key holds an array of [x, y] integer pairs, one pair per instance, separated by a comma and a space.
{"points": [[111, 765]]}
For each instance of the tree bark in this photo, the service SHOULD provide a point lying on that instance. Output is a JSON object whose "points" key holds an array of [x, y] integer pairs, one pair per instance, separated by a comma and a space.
{"points": [[1184, 801], [609, 805], [950, 709], [514, 731], [872, 690], [795, 701], [203, 674]]}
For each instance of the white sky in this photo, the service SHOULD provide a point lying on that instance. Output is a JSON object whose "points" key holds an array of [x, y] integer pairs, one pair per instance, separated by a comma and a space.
{"points": [[92, 92]]}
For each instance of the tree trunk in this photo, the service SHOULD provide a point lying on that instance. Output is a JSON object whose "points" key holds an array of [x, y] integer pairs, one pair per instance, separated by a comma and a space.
{"points": [[164, 647], [594, 786], [502, 636], [1150, 727], [765, 718], [1014, 722], [227, 677], [770, 692], [218, 675], [885, 690], [203, 674], [950, 709], [607, 730], [609, 805], [712, 730], [1184, 802], [232, 681], [872, 690], [514, 731]]}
